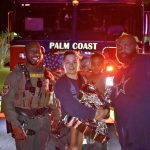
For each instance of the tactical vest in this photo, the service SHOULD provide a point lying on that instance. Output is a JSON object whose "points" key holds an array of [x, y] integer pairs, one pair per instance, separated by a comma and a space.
{"points": [[38, 88]]}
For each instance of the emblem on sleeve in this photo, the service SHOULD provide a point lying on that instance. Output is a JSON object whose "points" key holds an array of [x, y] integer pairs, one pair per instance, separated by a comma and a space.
{"points": [[5, 90], [120, 87]]}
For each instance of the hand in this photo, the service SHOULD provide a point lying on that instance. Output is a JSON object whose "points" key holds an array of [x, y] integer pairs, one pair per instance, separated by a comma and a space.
{"points": [[101, 113], [19, 133]]}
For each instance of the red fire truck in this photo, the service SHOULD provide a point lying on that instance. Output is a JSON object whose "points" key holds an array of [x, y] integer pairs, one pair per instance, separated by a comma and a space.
{"points": [[85, 25]]}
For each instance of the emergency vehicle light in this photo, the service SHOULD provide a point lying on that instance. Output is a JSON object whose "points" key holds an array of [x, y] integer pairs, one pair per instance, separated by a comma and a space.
{"points": [[75, 2], [109, 68]]}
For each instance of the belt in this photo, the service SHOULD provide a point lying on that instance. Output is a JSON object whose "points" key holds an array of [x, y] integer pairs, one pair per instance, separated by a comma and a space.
{"points": [[34, 112]]}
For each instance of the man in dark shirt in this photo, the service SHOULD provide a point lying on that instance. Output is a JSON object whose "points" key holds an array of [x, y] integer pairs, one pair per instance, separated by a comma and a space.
{"points": [[131, 96]]}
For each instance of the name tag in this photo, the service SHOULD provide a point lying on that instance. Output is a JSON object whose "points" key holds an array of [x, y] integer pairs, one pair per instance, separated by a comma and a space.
{"points": [[36, 75]]}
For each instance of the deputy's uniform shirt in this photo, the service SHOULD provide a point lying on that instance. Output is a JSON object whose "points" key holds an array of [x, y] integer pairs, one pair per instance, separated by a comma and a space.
{"points": [[17, 94]]}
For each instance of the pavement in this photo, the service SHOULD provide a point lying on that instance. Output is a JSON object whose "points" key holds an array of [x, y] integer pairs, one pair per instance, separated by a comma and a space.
{"points": [[6, 141]]}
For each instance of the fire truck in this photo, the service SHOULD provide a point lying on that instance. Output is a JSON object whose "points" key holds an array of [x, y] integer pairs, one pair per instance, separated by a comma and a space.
{"points": [[84, 25]]}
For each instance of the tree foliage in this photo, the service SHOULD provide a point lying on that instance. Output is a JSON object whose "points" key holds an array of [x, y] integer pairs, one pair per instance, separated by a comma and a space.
{"points": [[5, 38]]}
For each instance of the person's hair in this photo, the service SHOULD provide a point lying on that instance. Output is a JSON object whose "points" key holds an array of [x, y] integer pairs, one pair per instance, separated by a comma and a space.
{"points": [[70, 52], [97, 55]]}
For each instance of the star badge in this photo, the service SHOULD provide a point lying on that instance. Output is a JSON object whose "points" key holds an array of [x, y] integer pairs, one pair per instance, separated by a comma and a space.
{"points": [[120, 87]]}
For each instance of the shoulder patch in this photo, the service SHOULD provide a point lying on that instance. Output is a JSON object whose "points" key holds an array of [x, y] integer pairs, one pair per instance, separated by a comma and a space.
{"points": [[5, 89]]}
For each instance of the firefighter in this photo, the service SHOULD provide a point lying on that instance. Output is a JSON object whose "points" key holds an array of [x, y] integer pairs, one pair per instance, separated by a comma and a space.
{"points": [[28, 101]]}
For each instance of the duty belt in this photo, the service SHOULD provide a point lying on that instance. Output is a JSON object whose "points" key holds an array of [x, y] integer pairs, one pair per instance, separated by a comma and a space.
{"points": [[34, 112]]}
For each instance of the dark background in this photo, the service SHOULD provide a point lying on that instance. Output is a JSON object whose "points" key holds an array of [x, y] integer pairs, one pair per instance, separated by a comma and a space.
{"points": [[7, 5]]}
